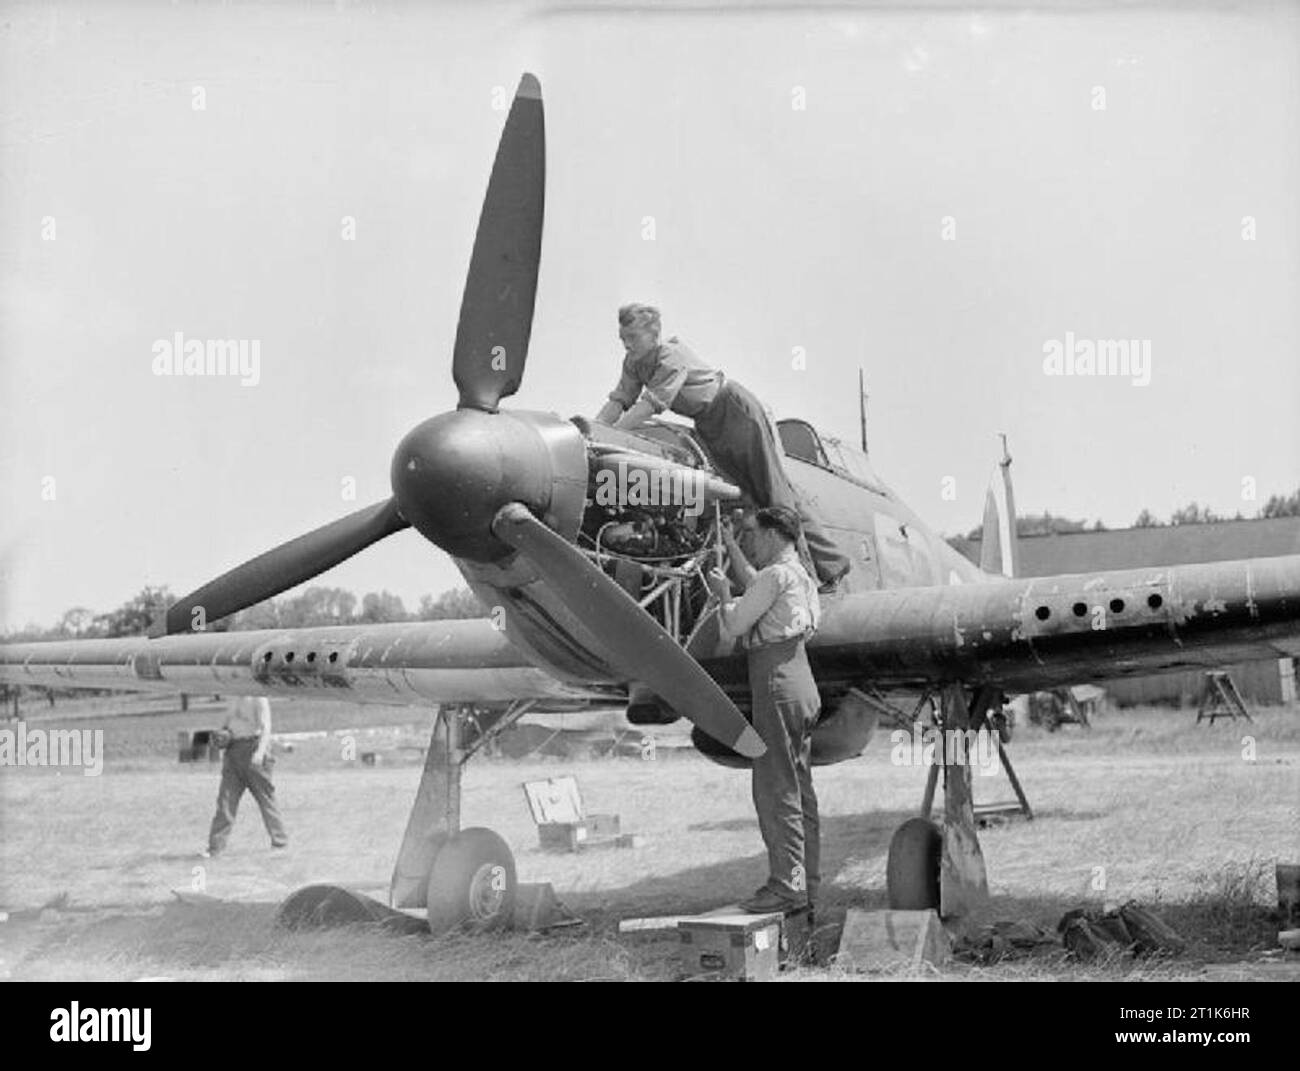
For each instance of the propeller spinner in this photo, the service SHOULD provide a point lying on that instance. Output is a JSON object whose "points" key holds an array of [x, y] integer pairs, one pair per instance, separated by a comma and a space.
{"points": [[475, 481]]}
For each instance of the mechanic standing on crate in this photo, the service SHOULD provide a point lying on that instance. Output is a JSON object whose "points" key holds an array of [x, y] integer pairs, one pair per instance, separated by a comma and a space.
{"points": [[777, 613], [247, 765]]}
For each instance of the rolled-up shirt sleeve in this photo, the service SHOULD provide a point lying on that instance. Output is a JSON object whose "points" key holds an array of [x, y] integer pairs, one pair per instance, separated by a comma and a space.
{"points": [[740, 615], [628, 388]]}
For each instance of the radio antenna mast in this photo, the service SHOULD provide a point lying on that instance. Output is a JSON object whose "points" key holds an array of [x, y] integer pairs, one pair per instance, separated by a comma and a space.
{"points": [[862, 409]]}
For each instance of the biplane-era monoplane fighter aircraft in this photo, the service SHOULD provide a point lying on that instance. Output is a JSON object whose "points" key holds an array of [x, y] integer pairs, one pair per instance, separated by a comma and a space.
{"points": [[601, 597]]}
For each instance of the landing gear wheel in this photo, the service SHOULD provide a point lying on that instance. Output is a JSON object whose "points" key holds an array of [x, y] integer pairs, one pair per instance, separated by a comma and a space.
{"points": [[912, 873], [472, 883]]}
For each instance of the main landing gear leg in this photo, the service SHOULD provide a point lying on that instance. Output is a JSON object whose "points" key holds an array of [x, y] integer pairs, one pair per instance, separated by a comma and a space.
{"points": [[963, 884], [943, 868], [463, 877]]}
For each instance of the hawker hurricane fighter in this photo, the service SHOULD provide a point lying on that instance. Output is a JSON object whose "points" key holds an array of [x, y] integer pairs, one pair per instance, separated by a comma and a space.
{"points": [[599, 596]]}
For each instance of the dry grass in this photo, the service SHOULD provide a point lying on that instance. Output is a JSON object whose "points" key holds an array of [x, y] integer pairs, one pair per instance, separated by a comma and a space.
{"points": [[1158, 809]]}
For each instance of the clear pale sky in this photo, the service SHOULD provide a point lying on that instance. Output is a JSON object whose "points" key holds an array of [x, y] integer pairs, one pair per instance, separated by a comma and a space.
{"points": [[775, 227]]}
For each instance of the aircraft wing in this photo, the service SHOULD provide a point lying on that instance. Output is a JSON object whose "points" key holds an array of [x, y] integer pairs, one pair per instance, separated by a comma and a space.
{"points": [[416, 662], [1043, 632], [1022, 635]]}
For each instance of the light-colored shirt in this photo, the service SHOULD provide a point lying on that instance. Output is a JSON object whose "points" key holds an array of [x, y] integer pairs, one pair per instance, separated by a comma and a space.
{"points": [[672, 376], [780, 604], [248, 716]]}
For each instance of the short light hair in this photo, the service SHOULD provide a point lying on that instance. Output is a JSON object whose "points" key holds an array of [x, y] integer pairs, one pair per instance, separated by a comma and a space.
{"points": [[635, 315]]}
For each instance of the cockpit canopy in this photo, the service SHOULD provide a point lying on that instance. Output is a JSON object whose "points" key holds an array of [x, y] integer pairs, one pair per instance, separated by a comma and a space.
{"points": [[800, 440]]}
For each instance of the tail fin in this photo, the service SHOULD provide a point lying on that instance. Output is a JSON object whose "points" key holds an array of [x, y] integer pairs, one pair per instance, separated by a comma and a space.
{"points": [[999, 547]]}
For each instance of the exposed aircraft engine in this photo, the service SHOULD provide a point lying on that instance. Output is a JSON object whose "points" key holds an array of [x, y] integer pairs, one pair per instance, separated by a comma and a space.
{"points": [[650, 518], [649, 496], [648, 534], [654, 546]]}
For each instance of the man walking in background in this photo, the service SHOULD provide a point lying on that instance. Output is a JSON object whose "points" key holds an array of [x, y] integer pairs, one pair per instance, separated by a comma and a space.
{"points": [[246, 736]]}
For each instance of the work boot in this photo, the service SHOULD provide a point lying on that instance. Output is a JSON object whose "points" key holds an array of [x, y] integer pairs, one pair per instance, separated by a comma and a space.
{"points": [[767, 901]]}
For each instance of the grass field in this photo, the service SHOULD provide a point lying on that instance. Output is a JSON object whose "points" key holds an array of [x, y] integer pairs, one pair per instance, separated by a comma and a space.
{"points": [[1146, 802]]}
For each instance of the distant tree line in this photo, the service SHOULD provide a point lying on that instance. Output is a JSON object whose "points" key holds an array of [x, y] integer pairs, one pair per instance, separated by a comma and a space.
{"points": [[1049, 524], [1042, 524], [312, 607], [1276, 506]]}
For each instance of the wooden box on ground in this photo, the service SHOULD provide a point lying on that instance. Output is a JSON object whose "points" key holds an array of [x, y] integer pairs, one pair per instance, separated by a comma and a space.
{"points": [[593, 831], [892, 940], [736, 947], [556, 806]]}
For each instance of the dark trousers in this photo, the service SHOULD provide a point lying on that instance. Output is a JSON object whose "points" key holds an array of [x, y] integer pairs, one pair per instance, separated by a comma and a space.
{"points": [[786, 705], [738, 435], [238, 773]]}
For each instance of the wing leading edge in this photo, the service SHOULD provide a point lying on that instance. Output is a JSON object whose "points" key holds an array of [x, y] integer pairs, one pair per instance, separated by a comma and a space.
{"points": [[441, 662]]}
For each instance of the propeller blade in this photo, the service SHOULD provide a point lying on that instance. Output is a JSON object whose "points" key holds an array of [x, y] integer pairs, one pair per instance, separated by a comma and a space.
{"points": [[641, 650], [287, 565], [496, 311]]}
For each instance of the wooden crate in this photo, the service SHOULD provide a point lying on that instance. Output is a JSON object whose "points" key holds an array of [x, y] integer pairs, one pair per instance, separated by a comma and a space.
{"points": [[593, 831], [562, 824], [742, 948]]}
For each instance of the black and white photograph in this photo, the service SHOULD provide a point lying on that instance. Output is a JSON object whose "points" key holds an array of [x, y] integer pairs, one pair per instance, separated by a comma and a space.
{"points": [[703, 491]]}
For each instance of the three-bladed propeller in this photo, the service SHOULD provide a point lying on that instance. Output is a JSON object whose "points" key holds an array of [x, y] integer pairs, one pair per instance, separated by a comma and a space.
{"points": [[472, 480]]}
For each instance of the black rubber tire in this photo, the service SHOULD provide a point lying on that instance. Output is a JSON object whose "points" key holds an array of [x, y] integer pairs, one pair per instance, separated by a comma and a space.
{"points": [[912, 873], [472, 883]]}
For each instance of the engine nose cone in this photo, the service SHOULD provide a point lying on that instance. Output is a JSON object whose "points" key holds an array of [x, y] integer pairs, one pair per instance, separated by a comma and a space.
{"points": [[452, 473]]}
